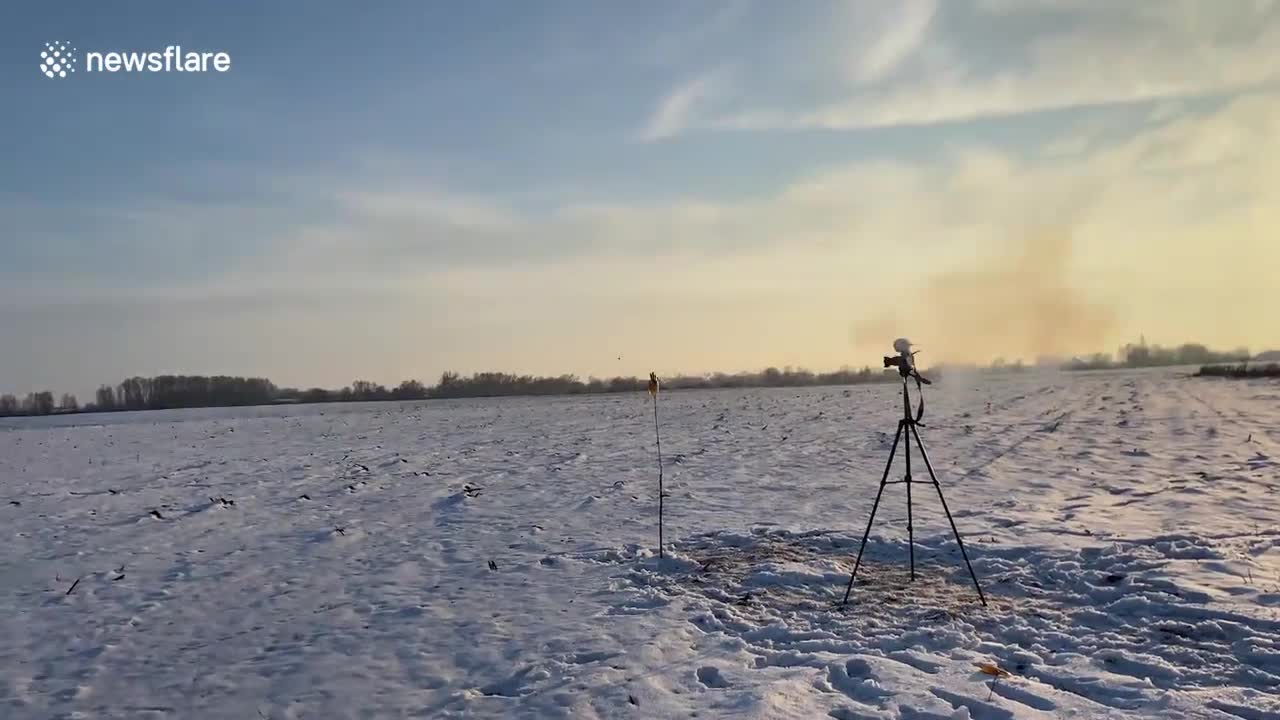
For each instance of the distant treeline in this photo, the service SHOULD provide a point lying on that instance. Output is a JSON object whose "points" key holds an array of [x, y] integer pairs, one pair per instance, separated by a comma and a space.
{"points": [[157, 393], [166, 392], [1143, 355], [492, 384], [194, 391], [1243, 370]]}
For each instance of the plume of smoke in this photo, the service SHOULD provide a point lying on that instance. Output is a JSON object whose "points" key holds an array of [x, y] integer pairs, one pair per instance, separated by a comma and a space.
{"points": [[1017, 305]]}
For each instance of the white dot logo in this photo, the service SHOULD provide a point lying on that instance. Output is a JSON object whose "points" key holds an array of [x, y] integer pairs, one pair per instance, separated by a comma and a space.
{"points": [[58, 59]]}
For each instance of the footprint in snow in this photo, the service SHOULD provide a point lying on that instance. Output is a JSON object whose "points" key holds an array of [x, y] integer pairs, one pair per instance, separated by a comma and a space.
{"points": [[978, 709], [518, 684], [1015, 693], [915, 661], [857, 680], [584, 658]]}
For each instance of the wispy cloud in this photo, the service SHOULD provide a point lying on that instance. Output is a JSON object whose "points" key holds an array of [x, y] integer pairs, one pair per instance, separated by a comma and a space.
{"points": [[429, 207], [885, 35], [393, 233], [679, 108], [428, 274], [690, 28], [922, 64]]}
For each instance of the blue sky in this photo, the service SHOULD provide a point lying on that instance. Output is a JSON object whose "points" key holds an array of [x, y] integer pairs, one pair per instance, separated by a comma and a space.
{"points": [[547, 186]]}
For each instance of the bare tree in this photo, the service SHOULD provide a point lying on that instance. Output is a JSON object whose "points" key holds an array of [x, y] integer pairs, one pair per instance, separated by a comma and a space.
{"points": [[409, 390], [105, 398], [68, 403], [38, 403], [135, 393], [366, 390]]}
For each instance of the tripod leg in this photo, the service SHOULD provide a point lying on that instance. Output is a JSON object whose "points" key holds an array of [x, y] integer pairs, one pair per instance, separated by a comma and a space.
{"points": [[938, 487], [883, 479], [911, 533]]}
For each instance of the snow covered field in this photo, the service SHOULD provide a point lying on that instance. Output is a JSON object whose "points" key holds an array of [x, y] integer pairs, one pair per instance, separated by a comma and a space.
{"points": [[334, 561]]}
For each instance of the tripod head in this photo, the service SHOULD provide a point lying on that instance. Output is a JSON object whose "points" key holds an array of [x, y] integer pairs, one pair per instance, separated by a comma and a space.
{"points": [[905, 361]]}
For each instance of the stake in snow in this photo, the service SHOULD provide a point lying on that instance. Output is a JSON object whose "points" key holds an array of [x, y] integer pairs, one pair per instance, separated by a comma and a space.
{"points": [[657, 434]]}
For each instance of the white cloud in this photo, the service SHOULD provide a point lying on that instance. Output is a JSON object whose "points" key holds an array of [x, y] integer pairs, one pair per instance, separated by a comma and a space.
{"points": [[1171, 230], [879, 44], [921, 64], [429, 205], [689, 28], [680, 106]]}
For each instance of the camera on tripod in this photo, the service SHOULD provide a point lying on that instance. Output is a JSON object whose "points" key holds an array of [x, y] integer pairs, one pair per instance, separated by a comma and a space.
{"points": [[908, 430], [896, 362], [905, 360]]}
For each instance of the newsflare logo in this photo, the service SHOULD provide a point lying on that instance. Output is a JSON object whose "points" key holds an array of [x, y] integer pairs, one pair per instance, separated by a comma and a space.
{"points": [[58, 59]]}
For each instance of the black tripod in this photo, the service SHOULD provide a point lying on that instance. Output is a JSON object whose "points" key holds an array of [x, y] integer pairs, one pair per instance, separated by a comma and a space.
{"points": [[908, 425]]}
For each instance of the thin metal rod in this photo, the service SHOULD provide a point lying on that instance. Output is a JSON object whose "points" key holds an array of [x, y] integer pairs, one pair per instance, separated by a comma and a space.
{"points": [[911, 533], [661, 495], [938, 487], [883, 481]]}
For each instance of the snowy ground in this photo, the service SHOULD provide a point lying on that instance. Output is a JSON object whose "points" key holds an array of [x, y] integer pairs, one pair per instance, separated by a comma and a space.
{"points": [[334, 561]]}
